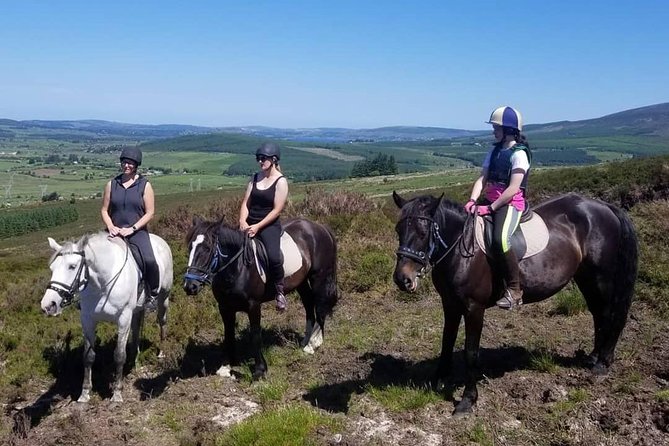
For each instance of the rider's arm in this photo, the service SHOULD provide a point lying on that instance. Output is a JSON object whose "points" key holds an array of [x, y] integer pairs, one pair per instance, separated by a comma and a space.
{"points": [[513, 188], [280, 198], [106, 218], [244, 210], [149, 208]]}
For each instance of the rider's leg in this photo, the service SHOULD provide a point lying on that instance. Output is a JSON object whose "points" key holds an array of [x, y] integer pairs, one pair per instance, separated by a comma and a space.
{"points": [[506, 221], [148, 264], [271, 238]]}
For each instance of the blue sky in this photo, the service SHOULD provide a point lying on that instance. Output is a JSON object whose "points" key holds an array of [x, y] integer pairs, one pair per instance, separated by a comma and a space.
{"points": [[357, 64]]}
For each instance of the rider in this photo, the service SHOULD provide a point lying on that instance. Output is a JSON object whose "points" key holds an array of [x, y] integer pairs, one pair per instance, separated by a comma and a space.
{"points": [[127, 208], [265, 197], [504, 175]]}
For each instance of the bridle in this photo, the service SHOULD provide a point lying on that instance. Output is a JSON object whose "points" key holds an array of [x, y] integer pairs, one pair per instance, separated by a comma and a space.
{"points": [[435, 243], [67, 292], [217, 258]]}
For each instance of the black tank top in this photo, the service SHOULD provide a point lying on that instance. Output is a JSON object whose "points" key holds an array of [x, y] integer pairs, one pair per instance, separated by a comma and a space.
{"points": [[126, 206], [261, 201]]}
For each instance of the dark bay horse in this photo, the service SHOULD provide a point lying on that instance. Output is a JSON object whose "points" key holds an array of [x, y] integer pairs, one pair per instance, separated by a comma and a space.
{"points": [[590, 241], [223, 256]]}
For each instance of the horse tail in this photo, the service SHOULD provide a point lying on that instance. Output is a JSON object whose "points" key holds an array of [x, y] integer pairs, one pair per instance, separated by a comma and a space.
{"points": [[626, 268], [327, 300]]}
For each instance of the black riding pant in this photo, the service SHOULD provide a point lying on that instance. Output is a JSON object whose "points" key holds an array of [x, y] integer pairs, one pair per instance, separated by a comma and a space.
{"points": [[506, 220], [270, 236], [142, 251]]}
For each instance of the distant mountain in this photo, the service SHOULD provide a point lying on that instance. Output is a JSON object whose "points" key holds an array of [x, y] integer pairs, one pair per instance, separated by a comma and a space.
{"points": [[334, 134], [652, 120], [97, 129]]}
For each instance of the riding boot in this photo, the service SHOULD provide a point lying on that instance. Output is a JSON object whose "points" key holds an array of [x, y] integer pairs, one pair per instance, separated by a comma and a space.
{"points": [[280, 296], [513, 294]]}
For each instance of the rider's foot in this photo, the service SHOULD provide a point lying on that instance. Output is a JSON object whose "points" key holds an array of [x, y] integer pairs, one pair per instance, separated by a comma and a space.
{"points": [[151, 303], [510, 299], [280, 302]]}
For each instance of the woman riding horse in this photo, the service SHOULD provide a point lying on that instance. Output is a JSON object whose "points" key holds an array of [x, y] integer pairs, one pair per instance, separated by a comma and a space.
{"points": [[127, 208], [505, 172], [265, 197]]}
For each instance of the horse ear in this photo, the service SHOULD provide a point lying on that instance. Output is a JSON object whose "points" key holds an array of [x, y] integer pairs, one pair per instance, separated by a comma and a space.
{"points": [[197, 220], [221, 220], [399, 201], [54, 245], [437, 203], [83, 241]]}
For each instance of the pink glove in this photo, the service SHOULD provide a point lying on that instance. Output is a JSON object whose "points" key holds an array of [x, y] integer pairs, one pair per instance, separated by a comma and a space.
{"points": [[484, 210], [469, 205]]}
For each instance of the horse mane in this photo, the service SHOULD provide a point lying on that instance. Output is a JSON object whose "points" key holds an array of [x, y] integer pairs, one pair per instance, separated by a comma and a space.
{"points": [[88, 240], [423, 204], [226, 234]]}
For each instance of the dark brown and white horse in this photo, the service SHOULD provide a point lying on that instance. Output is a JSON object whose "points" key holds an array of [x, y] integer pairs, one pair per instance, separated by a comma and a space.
{"points": [[224, 257]]}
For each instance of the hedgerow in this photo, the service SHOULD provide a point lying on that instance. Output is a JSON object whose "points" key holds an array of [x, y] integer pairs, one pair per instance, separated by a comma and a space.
{"points": [[18, 223]]}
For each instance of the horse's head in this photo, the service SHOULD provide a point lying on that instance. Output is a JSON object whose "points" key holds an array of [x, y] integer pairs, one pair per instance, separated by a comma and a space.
{"points": [[69, 275], [213, 246], [415, 231]]}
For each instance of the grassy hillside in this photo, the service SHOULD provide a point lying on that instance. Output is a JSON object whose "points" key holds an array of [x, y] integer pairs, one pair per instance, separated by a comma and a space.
{"points": [[380, 344]]}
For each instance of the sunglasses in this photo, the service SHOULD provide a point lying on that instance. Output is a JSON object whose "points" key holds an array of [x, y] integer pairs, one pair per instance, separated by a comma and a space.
{"points": [[262, 158], [127, 161]]}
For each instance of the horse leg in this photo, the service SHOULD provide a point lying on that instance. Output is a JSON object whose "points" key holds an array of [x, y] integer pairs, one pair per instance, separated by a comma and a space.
{"points": [[259, 366], [608, 320], [229, 317], [307, 297], [161, 315], [324, 296], [135, 329], [452, 318], [473, 328], [88, 327], [124, 323]]}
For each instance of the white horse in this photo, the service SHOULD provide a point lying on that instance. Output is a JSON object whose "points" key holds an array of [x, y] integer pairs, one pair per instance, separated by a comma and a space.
{"points": [[103, 270]]}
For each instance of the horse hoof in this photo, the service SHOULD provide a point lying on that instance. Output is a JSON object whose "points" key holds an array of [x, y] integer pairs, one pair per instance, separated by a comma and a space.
{"points": [[258, 375], [225, 371], [161, 355], [462, 409], [308, 349], [117, 398], [600, 369]]}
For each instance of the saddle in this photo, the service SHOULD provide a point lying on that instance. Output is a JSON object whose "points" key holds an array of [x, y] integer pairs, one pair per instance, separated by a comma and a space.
{"points": [[292, 257], [530, 238]]}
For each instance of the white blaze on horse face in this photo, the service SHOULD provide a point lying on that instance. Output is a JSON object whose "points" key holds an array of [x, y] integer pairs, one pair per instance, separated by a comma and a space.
{"points": [[198, 240]]}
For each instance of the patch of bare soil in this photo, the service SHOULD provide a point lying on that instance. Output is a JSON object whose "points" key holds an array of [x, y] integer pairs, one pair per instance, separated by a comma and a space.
{"points": [[375, 343]]}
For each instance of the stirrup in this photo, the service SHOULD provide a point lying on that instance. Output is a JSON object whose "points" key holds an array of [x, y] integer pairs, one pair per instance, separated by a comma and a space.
{"points": [[508, 302], [280, 302]]}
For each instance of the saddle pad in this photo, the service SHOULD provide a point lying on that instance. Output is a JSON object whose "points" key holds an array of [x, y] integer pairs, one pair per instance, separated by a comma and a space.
{"points": [[534, 231], [292, 258]]}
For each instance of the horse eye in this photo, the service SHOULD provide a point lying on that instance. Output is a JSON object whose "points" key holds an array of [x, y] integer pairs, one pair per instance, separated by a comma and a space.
{"points": [[72, 266]]}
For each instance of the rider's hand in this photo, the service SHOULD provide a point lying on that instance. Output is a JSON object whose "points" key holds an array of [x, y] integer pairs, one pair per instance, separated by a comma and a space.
{"points": [[113, 231], [243, 226], [470, 204], [252, 230], [484, 210], [125, 232]]}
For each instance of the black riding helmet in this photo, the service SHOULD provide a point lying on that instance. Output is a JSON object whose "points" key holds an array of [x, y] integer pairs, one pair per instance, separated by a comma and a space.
{"points": [[132, 154], [269, 149]]}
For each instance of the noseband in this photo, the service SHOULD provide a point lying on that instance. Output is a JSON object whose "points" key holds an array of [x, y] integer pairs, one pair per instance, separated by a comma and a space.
{"points": [[217, 256], [425, 259], [68, 292]]}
